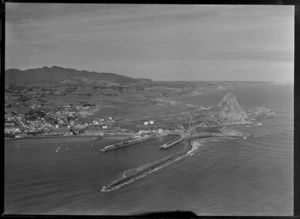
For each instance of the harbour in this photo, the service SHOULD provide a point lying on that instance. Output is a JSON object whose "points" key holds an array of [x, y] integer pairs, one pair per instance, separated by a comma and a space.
{"points": [[152, 168]]}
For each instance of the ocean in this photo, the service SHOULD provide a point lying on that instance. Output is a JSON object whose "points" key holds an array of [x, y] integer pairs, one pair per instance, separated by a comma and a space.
{"points": [[252, 176]]}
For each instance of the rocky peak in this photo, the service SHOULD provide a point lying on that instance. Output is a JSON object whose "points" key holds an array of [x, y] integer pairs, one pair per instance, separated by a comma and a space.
{"points": [[230, 109]]}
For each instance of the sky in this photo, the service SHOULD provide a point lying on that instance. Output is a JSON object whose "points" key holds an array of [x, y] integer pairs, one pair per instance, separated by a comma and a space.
{"points": [[160, 42]]}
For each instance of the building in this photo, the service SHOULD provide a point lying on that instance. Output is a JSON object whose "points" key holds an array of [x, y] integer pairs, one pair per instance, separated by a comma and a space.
{"points": [[110, 118], [160, 130], [146, 123], [144, 132], [9, 124], [137, 136], [151, 122], [104, 127]]}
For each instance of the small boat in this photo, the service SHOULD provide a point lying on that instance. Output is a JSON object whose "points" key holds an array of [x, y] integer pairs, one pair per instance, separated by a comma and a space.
{"points": [[66, 148], [244, 137]]}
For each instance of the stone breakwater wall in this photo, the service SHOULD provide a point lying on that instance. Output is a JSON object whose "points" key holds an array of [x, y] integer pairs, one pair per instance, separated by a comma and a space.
{"points": [[156, 166]]}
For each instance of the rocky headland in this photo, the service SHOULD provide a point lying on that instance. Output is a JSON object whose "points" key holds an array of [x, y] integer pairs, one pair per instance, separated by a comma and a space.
{"points": [[261, 112]]}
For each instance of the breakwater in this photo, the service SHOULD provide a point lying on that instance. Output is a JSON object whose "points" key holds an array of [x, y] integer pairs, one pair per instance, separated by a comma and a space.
{"points": [[125, 144], [154, 167]]}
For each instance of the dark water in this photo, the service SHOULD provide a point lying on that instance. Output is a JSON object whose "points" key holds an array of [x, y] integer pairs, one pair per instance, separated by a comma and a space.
{"points": [[251, 176]]}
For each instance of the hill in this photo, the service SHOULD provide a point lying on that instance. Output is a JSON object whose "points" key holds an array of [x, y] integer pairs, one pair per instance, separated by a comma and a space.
{"points": [[230, 110], [62, 76], [227, 111]]}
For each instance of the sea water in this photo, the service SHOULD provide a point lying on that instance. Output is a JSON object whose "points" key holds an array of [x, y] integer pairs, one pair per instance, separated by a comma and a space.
{"points": [[252, 176]]}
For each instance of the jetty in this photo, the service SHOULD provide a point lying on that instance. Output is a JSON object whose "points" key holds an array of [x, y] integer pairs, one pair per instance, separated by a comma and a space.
{"points": [[171, 143], [126, 143]]}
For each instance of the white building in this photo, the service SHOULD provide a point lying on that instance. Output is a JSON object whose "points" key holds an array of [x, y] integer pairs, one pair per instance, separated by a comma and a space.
{"points": [[151, 122], [110, 118], [160, 130], [104, 127], [57, 126], [95, 122], [146, 123]]}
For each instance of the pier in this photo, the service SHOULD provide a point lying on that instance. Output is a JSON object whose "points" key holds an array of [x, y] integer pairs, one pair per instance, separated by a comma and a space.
{"points": [[126, 143], [171, 143]]}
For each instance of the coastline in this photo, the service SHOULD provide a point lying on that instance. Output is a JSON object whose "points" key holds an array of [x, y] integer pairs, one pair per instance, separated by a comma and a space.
{"points": [[54, 138], [62, 138]]}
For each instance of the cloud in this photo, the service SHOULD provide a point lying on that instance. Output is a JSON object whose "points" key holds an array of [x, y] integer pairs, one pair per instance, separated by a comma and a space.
{"points": [[69, 34]]}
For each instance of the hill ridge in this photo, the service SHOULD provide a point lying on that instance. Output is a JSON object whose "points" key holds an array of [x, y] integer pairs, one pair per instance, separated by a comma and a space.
{"points": [[56, 74]]}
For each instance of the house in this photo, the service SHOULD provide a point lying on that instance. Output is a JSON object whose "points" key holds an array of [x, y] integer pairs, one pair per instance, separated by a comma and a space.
{"points": [[95, 122], [146, 123], [104, 127], [9, 124], [110, 118], [160, 130], [151, 122]]}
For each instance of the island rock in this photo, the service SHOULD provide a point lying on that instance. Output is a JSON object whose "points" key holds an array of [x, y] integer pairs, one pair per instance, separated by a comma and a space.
{"points": [[261, 112]]}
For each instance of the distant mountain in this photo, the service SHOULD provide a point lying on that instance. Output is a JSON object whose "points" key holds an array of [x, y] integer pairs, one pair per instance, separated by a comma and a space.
{"points": [[230, 110], [59, 76]]}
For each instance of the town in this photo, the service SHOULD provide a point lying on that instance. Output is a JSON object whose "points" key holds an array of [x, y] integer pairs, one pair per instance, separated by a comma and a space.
{"points": [[64, 122]]}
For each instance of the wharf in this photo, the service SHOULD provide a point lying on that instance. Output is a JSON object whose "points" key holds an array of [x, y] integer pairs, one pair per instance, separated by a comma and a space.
{"points": [[171, 143], [125, 144]]}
